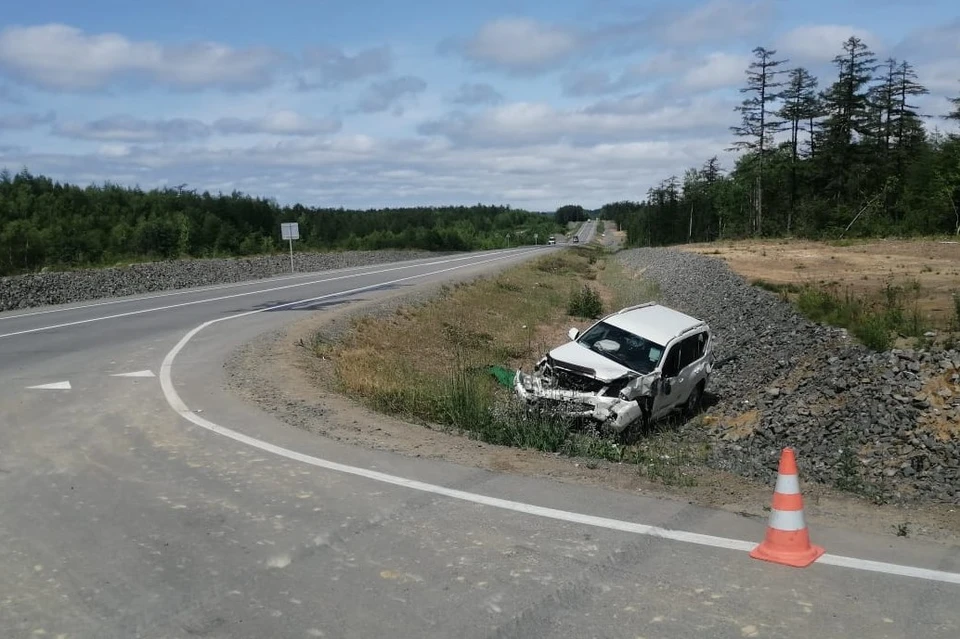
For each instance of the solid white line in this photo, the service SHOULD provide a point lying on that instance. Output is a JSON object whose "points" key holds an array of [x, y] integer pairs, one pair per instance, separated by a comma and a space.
{"points": [[235, 295], [175, 402], [199, 289]]}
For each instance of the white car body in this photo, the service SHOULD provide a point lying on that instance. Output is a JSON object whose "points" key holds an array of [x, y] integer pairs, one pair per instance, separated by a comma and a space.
{"points": [[639, 363]]}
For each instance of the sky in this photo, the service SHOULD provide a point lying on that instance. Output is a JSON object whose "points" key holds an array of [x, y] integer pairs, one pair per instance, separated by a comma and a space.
{"points": [[373, 103]]}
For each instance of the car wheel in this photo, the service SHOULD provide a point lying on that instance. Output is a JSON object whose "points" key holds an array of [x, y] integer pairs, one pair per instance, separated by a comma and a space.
{"points": [[695, 401]]}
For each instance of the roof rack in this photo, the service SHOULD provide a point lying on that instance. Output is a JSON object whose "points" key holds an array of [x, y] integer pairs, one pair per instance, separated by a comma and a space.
{"points": [[635, 307]]}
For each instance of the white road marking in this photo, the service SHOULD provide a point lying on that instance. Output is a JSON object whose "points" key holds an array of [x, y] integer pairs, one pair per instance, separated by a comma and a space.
{"points": [[134, 374], [53, 386], [198, 289], [248, 293], [177, 404]]}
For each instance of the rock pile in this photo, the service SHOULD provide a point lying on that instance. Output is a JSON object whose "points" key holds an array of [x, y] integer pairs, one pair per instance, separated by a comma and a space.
{"points": [[881, 424], [24, 291]]}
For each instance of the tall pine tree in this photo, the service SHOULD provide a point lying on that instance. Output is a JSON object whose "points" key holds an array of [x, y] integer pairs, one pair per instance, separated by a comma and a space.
{"points": [[847, 107], [799, 107], [758, 123]]}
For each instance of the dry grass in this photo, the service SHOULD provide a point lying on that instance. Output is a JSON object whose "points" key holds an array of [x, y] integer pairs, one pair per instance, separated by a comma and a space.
{"points": [[864, 268], [400, 362]]}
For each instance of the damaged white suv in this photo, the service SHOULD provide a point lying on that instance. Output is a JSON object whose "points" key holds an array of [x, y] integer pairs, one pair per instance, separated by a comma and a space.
{"points": [[639, 363]]}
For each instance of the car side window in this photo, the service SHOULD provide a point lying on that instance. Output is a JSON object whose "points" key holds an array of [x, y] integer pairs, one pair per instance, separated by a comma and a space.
{"points": [[671, 362], [691, 349]]}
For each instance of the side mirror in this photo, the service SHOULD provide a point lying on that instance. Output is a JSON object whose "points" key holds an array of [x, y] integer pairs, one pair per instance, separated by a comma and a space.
{"points": [[666, 387], [574, 333]]}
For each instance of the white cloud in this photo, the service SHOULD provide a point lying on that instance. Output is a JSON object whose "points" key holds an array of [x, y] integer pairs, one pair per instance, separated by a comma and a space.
{"points": [[279, 123], [941, 76], [387, 95], [361, 172], [627, 119], [811, 44], [718, 21], [471, 94], [717, 70], [329, 67], [125, 128], [21, 121], [679, 69], [519, 45], [61, 57]]}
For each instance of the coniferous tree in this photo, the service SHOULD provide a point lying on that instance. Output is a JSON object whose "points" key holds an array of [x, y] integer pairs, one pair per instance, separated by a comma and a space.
{"points": [[799, 107], [758, 123]]}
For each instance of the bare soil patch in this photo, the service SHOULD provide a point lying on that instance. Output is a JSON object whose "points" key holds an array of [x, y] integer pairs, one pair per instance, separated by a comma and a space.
{"points": [[862, 267]]}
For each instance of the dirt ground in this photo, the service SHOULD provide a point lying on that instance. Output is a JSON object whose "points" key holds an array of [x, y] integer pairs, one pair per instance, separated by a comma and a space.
{"points": [[863, 266], [281, 375]]}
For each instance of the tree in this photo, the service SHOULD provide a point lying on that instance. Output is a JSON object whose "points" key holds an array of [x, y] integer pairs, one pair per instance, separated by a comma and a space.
{"points": [[757, 125], [800, 106], [570, 213], [847, 105], [955, 114]]}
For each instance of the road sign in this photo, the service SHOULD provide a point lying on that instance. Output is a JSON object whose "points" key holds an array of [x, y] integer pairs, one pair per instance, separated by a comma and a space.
{"points": [[290, 231]]}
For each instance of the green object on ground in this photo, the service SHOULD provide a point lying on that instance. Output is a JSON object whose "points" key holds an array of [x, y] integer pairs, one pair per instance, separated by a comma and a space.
{"points": [[504, 375]]}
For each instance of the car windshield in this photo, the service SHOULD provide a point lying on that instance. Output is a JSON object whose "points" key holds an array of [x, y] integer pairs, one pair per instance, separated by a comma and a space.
{"points": [[625, 348]]}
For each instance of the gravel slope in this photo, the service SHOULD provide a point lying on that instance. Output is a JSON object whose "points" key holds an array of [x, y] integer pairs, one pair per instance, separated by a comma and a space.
{"points": [[40, 289], [862, 420]]}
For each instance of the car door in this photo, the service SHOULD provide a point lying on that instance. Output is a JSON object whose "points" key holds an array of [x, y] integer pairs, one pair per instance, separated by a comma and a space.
{"points": [[665, 401]]}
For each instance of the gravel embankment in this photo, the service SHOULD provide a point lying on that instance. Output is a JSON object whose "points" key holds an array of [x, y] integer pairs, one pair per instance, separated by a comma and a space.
{"points": [[40, 289], [868, 421]]}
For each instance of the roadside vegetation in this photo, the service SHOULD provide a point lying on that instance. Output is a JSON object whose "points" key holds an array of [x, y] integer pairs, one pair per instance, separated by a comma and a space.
{"points": [[435, 363], [44, 223], [822, 158], [877, 320]]}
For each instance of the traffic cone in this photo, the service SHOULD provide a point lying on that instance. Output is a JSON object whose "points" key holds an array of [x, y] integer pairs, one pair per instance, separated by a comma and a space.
{"points": [[787, 541]]}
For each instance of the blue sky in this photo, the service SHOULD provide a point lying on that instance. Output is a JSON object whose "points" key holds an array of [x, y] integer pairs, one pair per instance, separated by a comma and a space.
{"points": [[374, 103]]}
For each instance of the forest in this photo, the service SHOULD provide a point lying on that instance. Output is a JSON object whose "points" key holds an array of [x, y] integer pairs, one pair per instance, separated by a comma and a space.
{"points": [[852, 158], [44, 223]]}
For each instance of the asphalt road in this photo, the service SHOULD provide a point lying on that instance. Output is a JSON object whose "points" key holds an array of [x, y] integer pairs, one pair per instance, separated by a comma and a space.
{"points": [[132, 508]]}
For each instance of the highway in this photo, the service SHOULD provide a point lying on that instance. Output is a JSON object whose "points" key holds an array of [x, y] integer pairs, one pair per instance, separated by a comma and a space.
{"points": [[138, 498]]}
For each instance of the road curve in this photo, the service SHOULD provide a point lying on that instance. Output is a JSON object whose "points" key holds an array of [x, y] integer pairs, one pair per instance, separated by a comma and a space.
{"points": [[121, 518]]}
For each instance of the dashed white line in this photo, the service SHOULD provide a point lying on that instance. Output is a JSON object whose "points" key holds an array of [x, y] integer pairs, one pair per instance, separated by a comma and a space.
{"points": [[175, 402]]}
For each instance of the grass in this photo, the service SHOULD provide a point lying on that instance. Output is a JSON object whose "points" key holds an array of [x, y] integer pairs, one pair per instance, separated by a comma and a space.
{"points": [[874, 319], [428, 363], [585, 303]]}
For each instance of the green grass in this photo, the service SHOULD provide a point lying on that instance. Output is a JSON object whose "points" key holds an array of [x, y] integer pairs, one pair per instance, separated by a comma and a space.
{"points": [[874, 320], [585, 303]]}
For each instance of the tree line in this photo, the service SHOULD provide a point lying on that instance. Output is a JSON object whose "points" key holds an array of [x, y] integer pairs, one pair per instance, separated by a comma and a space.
{"points": [[853, 158], [45, 223]]}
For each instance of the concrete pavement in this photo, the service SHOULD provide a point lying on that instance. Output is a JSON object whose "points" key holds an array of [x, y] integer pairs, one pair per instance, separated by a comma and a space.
{"points": [[122, 519]]}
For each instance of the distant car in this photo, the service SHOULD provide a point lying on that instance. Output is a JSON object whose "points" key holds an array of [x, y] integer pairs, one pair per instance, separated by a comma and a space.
{"points": [[552, 240], [635, 365], [575, 239]]}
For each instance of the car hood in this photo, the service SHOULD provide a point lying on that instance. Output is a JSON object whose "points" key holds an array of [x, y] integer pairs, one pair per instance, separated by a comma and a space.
{"points": [[581, 357]]}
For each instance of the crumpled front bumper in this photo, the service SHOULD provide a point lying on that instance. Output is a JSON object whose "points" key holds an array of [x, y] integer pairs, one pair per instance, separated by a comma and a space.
{"points": [[611, 412]]}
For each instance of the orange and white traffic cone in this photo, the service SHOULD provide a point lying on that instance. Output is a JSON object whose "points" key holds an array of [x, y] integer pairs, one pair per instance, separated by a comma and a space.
{"points": [[787, 541]]}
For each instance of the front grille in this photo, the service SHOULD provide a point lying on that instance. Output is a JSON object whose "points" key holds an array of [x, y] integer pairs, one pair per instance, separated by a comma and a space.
{"points": [[567, 380]]}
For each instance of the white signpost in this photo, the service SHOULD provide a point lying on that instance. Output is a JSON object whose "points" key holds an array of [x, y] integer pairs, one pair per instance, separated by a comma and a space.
{"points": [[290, 231]]}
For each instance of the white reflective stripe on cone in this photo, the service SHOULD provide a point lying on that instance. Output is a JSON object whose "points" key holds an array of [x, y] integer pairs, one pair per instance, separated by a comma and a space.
{"points": [[788, 485], [788, 520]]}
